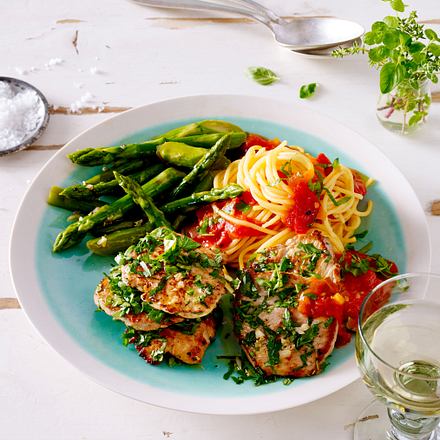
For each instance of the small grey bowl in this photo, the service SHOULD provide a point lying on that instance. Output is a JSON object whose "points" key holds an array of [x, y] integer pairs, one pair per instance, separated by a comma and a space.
{"points": [[18, 83]]}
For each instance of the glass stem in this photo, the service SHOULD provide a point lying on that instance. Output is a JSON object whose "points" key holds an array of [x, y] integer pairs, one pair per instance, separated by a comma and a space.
{"points": [[410, 426]]}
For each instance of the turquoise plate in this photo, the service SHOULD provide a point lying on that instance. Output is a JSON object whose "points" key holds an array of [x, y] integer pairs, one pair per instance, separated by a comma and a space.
{"points": [[65, 282]]}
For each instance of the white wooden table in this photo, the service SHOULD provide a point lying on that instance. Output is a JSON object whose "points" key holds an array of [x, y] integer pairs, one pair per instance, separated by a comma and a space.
{"points": [[128, 56]]}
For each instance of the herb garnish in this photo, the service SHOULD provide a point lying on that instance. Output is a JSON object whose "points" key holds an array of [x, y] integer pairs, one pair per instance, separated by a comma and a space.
{"points": [[241, 370], [128, 300], [243, 207], [263, 75], [311, 255], [307, 90], [142, 339]]}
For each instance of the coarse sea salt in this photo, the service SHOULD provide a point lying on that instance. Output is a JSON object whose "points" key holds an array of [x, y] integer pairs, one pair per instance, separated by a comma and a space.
{"points": [[84, 101], [21, 114]]}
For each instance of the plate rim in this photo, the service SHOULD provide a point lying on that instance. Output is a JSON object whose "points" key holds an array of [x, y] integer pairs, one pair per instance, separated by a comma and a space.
{"points": [[217, 406]]}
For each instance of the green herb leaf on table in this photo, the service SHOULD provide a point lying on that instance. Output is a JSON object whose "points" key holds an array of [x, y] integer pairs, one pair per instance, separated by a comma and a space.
{"points": [[263, 75], [397, 5], [307, 90]]}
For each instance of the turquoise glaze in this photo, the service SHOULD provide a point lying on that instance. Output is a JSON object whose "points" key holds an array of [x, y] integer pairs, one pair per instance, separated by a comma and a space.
{"points": [[68, 280]]}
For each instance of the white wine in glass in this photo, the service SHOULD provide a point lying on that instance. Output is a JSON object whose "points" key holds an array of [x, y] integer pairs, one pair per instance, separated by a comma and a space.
{"points": [[398, 354]]}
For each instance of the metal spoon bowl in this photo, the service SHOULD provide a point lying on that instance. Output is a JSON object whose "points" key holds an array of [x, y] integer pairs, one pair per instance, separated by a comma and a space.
{"points": [[299, 34], [315, 33], [19, 86]]}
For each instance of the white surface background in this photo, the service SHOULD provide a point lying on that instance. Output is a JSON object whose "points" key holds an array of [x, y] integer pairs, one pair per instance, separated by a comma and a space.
{"points": [[146, 55]]}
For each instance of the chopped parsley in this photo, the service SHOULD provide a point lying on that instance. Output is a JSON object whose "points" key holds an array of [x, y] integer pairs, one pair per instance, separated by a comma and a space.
{"points": [[250, 339], [128, 300], [273, 349], [241, 370], [382, 266], [329, 322], [310, 259], [243, 207], [307, 337]]}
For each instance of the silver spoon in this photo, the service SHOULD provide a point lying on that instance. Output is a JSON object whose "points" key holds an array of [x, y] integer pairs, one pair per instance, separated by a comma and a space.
{"points": [[308, 35]]}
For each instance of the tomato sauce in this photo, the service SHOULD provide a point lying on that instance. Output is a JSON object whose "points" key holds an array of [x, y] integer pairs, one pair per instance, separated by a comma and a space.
{"points": [[323, 165], [253, 139], [305, 207], [212, 230], [343, 301]]}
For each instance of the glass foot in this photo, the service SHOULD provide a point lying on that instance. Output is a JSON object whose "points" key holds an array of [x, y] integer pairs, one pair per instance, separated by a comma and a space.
{"points": [[373, 424]]}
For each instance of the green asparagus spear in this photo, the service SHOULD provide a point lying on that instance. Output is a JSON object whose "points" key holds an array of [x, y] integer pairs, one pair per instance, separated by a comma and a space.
{"points": [[205, 183], [208, 140], [201, 127], [89, 191], [122, 166], [202, 166], [104, 229], [104, 155], [76, 231], [56, 199], [134, 190], [107, 155], [195, 199], [182, 155], [118, 241]]}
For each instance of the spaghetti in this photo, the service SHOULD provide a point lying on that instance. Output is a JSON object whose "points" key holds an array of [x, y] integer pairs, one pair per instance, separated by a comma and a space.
{"points": [[281, 182]]}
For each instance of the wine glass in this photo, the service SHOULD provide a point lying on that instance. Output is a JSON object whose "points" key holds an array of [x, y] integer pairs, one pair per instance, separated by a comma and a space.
{"points": [[398, 354]]}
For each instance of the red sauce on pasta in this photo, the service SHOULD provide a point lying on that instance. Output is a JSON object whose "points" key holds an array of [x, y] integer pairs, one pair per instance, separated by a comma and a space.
{"points": [[305, 206], [210, 229]]}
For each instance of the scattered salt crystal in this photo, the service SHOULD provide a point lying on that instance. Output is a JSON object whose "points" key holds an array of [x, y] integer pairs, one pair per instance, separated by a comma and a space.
{"points": [[78, 85], [53, 62], [82, 102], [80, 70], [21, 114], [22, 71]]}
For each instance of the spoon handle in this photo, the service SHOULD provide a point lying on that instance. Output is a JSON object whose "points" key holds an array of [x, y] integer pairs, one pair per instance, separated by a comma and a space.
{"points": [[248, 8]]}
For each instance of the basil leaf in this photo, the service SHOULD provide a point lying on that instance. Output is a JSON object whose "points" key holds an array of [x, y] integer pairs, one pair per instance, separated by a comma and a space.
{"points": [[415, 118], [391, 21], [434, 49], [415, 47], [431, 35], [307, 90], [379, 27], [391, 39], [390, 76], [398, 5], [370, 38], [263, 75], [378, 53]]}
